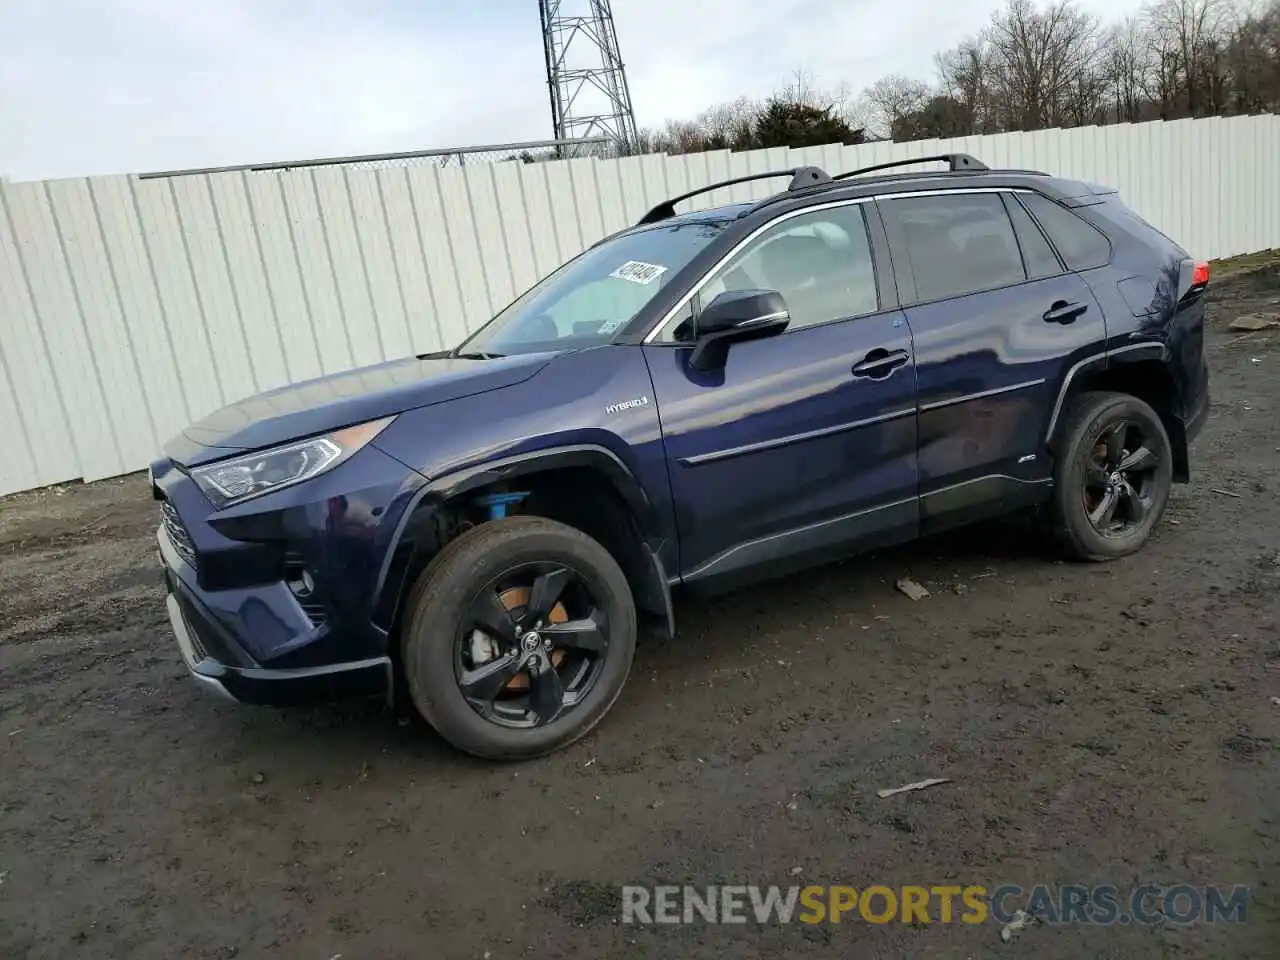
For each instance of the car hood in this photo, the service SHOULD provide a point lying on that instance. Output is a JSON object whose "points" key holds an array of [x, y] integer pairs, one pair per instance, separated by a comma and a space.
{"points": [[342, 399]]}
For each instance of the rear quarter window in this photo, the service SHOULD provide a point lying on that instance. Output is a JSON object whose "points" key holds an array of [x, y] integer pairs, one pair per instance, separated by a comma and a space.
{"points": [[1081, 245], [1038, 256]]}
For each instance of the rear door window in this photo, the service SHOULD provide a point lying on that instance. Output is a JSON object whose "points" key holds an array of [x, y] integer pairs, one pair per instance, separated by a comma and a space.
{"points": [[1081, 244], [957, 243]]}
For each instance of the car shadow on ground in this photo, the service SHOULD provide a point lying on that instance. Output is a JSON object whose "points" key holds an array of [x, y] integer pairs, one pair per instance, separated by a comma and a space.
{"points": [[708, 631]]}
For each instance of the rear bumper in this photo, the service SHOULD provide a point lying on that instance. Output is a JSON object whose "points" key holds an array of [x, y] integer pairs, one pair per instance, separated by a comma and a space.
{"points": [[223, 667]]}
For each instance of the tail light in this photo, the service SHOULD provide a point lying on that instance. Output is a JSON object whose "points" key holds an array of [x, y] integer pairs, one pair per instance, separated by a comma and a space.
{"points": [[1193, 278]]}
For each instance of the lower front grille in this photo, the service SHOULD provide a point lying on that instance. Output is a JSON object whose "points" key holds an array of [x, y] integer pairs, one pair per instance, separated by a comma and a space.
{"points": [[177, 533], [303, 588], [193, 636]]}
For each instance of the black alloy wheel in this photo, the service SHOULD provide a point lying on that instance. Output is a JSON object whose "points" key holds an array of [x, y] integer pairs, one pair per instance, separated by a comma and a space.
{"points": [[531, 645], [518, 637], [1113, 472], [1120, 479]]}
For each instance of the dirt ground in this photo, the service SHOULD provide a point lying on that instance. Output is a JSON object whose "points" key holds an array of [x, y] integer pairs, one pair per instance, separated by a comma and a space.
{"points": [[1099, 723]]}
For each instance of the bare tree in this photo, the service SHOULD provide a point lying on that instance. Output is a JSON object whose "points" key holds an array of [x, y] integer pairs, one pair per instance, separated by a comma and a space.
{"points": [[800, 114], [893, 98], [1038, 63], [1125, 64], [964, 72], [1164, 76], [1252, 61], [855, 108], [1191, 30], [727, 126], [800, 89], [1041, 59]]}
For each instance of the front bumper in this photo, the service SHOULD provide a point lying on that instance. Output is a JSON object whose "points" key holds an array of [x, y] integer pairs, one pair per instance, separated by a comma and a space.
{"points": [[224, 668]]}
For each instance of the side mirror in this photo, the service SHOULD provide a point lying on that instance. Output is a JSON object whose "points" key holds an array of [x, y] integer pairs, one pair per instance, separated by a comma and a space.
{"points": [[735, 316]]}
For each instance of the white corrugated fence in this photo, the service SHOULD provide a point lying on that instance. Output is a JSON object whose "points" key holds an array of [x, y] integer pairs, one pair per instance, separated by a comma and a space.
{"points": [[129, 307]]}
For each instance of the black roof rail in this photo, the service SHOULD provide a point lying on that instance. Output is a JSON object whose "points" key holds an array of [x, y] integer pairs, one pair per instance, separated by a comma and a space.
{"points": [[955, 161], [801, 177]]}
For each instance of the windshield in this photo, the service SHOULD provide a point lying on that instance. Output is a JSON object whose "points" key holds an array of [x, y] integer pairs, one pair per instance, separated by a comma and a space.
{"points": [[591, 298]]}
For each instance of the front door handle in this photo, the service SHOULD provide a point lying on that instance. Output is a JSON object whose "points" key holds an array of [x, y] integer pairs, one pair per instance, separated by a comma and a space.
{"points": [[879, 363], [1064, 312]]}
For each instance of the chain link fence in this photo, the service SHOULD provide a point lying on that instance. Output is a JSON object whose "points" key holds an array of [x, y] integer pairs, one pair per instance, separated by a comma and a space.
{"points": [[534, 151]]}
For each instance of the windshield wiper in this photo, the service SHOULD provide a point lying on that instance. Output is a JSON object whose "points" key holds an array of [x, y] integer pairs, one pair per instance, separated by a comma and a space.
{"points": [[478, 355]]}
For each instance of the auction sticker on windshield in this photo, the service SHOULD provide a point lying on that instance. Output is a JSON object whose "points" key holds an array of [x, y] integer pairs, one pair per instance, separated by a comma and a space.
{"points": [[638, 271]]}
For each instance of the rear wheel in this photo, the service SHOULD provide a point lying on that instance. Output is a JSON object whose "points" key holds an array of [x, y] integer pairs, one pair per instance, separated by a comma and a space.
{"points": [[519, 637], [1112, 478]]}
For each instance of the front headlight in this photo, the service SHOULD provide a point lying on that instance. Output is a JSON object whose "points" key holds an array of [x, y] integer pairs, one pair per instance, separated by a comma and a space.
{"points": [[233, 481]]}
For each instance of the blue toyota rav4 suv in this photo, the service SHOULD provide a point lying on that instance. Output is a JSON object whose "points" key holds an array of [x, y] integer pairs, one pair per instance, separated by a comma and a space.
{"points": [[694, 402]]}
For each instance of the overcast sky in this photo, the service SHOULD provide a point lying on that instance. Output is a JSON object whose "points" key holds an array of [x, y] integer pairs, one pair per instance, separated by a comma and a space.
{"points": [[111, 86]]}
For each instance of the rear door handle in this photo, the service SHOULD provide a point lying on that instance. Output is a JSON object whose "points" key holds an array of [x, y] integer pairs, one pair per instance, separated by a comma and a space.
{"points": [[879, 363], [1064, 312]]}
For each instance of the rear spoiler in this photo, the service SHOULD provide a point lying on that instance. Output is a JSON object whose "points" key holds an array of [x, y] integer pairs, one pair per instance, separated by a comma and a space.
{"points": [[1078, 194]]}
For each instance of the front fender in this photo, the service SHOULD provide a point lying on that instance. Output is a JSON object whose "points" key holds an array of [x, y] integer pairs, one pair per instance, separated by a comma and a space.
{"points": [[592, 409], [590, 456]]}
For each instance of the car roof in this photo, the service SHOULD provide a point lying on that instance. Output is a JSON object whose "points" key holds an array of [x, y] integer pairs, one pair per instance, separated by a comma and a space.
{"points": [[806, 183], [810, 185], [862, 186], [928, 181], [721, 214], [716, 216]]}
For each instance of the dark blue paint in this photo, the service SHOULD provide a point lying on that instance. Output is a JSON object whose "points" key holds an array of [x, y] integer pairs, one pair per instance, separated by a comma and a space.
{"points": [[340, 526], [988, 342], [784, 435], [368, 393], [792, 451]]}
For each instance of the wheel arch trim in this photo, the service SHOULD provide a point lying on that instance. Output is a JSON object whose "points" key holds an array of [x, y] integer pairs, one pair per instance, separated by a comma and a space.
{"points": [[1130, 353], [591, 456]]}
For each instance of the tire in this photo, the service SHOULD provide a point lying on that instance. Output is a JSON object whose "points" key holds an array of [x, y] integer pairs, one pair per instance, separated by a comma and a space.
{"points": [[438, 618], [1083, 475]]}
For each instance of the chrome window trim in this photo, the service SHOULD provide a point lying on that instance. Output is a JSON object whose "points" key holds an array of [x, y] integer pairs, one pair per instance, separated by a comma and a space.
{"points": [[687, 299], [950, 190]]}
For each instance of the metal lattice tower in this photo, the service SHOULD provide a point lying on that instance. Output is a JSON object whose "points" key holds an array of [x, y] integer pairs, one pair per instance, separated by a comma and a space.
{"points": [[587, 81]]}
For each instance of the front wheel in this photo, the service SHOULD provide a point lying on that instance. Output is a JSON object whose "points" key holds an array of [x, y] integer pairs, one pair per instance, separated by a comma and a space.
{"points": [[519, 637], [1112, 477]]}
